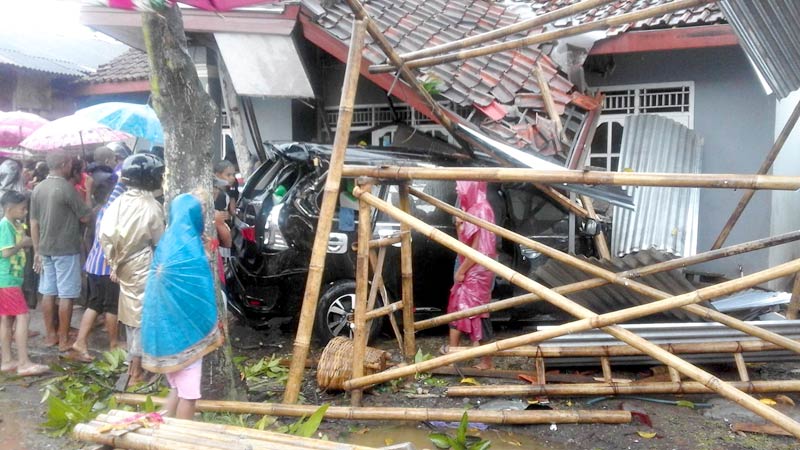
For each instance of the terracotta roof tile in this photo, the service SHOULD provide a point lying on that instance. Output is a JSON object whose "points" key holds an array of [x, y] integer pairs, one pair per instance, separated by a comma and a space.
{"points": [[503, 83], [129, 66]]}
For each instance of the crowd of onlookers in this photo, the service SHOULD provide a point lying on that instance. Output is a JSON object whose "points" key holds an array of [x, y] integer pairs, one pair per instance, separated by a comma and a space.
{"points": [[69, 228]]}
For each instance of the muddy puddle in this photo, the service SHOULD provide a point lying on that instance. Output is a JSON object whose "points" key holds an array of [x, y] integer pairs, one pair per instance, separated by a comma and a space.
{"points": [[390, 435]]}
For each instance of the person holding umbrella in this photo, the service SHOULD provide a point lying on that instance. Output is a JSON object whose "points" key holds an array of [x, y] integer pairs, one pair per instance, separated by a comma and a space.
{"points": [[56, 214], [131, 228]]}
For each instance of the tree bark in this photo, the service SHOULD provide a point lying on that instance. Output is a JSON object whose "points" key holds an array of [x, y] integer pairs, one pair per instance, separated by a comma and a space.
{"points": [[187, 115]]}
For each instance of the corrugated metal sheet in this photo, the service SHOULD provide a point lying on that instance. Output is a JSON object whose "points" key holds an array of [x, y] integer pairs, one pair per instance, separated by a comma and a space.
{"points": [[768, 32], [264, 65], [665, 218], [677, 333], [613, 297], [52, 53]]}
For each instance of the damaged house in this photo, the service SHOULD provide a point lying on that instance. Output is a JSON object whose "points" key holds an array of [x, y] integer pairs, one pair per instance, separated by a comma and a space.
{"points": [[683, 77]]}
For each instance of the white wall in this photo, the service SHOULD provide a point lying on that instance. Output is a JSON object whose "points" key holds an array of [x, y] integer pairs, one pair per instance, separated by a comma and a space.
{"points": [[785, 204], [274, 117]]}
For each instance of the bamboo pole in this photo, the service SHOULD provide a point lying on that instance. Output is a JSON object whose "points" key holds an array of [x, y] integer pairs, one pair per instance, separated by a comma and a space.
{"points": [[135, 441], [794, 303], [597, 282], [512, 175], [562, 200], [385, 242], [329, 199], [665, 387], [765, 167], [392, 413], [376, 263], [511, 374], [588, 320], [541, 37], [549, 104], [387, 309], [508, 30], [211, 430], [611, 277], [407, 273], [741, 366], [362, 287], [547, 351], [361, 13]]}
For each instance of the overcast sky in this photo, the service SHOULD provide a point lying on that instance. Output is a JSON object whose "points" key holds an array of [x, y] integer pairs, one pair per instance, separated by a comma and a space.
{"points": [[60, 16]]}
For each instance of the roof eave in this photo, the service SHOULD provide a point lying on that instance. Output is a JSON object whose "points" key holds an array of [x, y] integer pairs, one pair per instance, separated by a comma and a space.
{"points": [[682, 38]]}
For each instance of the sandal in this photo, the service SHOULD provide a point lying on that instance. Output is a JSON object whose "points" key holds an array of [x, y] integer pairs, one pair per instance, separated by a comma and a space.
{"points": [[33, 370], [444, 349]]}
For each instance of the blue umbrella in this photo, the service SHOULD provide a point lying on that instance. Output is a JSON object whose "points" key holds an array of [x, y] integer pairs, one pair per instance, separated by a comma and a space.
{"points": [[137, 120]]}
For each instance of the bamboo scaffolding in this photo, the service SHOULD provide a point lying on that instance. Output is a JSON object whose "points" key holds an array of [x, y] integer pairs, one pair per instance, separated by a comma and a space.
{"points": [[539, 38], [512, 175], [794, 303], [527, 351], [388, 308], [385, 242], [597, 282], [747, 195], [588, 320], [407, 275], [362, 286], [384, 310], [666, 387], [329, 199], [208, 435], [508, 30], [611, 277], [409, 414], [562, 200]]}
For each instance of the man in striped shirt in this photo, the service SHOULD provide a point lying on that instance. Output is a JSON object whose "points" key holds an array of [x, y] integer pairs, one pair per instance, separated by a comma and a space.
{"points": [[103, 293]]}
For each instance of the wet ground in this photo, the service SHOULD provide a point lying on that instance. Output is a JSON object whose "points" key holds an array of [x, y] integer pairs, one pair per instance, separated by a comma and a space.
{"points": [[675, 427]]}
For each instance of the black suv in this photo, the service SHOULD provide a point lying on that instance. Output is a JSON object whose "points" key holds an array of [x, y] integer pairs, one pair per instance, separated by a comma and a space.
{"points": [[279, 208]]}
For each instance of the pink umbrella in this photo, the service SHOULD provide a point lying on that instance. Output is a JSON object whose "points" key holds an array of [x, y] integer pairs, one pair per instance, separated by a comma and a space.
{"points": [[71, 131], [16, 126]]}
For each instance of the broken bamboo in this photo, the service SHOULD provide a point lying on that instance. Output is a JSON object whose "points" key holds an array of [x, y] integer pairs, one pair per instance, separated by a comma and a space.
{"points": [[508, 30], [407, 277], [540, 38], [747, 195], [362, 327], [588, 319], [597, 282], [329, 199], [389, 413], [511, 175], [611, 277], [548, 351], [666, 387]]}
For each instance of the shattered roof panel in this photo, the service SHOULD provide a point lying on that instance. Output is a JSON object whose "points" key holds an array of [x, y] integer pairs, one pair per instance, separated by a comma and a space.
{"points": [[700, 15], [768, 32], [129, 66], [491, 83]]}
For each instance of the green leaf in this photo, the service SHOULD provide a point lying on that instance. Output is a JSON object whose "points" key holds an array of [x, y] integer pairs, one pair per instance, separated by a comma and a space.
{"points": [[685, 404], [482, 445], [312, 424], [440, 440], [461, 433], [148, 405]]}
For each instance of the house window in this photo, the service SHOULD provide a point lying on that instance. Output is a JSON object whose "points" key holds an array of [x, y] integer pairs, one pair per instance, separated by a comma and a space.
{"points": [[672, 100]]}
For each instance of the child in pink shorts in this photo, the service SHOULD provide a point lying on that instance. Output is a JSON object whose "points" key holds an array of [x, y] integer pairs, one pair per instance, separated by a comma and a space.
{"points": [[12, 301]]}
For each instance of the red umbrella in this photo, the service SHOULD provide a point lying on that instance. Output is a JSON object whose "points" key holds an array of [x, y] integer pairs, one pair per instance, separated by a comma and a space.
{"points": [[15, 126], [209, 5], [71, 131]]}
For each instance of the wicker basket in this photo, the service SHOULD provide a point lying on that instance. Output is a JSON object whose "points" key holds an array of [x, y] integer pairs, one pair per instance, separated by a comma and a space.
{"points": [[336, 363]]}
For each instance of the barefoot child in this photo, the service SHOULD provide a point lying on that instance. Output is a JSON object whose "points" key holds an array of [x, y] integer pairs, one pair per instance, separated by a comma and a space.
{"points": [[179, 319], [12, 301], [472, 282]]}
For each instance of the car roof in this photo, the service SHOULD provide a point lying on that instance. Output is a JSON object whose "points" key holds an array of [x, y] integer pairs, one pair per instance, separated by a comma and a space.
{"points": [[377, 156]]}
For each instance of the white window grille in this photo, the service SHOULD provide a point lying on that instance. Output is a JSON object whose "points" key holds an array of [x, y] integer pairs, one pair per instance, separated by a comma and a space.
{"points": [[672, 100], [366, 117]]}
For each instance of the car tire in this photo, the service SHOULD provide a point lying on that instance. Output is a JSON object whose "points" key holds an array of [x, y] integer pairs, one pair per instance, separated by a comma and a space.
{"points": [[333, 309]]}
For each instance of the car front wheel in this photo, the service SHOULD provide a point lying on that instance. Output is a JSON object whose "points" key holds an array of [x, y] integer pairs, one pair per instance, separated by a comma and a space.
{"points": [[335, 313]]}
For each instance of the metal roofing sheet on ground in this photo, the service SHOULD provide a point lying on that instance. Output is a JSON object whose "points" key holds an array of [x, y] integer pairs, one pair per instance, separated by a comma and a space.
{"points": [[613, 297], [665, 219], [263, 65], [768, 32], [678, 333]]}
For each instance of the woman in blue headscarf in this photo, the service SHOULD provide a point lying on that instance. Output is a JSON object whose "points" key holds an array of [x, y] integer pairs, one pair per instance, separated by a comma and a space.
{"points": [[179, 316]]}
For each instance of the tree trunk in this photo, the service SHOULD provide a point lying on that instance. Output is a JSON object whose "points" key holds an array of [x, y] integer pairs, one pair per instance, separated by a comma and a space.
{"points": [[187, 115]]}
